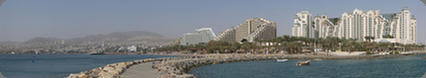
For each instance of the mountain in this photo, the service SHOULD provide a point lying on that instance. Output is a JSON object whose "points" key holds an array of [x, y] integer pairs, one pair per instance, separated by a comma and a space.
{"points": [[132, 35], [90, 42]]}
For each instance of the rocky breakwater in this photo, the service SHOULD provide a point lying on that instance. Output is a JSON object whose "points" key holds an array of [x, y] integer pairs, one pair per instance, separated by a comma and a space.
{"points": [[110, 70], [179, 68]]}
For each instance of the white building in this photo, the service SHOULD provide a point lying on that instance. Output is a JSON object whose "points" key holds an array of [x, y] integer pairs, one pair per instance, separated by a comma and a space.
{"points": [[302, 25], [360, 24], [395, 27], [202, 35], [132, 48], [325, 27]]}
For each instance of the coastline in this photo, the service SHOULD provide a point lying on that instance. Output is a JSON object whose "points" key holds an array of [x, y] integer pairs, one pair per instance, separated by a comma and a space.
{"points": [[178, 67]]}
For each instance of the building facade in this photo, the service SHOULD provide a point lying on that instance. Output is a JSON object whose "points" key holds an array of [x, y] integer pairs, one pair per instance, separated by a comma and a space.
{"points": [[394, 27], [325, 27], [251, 30], [302, 25], [202, 35]]}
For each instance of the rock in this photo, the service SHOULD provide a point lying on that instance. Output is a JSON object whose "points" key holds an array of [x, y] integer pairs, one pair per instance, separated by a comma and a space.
{"points": [[70, 76], [424, 76], [185, 76], [1, 75], [81, 75], [105, 74]]}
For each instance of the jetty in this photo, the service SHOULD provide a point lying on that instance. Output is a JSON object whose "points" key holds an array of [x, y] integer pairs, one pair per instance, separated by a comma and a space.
{"points": [[178, 67], [136, 71]]}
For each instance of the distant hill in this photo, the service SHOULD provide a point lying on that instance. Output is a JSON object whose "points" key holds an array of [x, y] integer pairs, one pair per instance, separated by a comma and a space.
{"points": [[141, 38], [112, 37], [131, 35]]}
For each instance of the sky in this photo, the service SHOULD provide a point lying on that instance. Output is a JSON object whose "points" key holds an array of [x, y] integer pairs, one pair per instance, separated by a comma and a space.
{"points": [[21, 20]]}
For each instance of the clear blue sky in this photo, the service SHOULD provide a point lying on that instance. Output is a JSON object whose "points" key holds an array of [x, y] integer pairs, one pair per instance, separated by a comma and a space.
{"points": [[24, 19]]}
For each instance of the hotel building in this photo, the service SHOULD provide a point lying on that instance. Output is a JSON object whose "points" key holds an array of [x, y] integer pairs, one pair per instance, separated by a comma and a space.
{"points": [[202, 35], [393, 27], [302, 25], [251, 30]]}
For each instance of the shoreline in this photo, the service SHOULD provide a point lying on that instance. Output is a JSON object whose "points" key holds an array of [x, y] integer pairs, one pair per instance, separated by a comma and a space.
{"points": [[178, 67]]}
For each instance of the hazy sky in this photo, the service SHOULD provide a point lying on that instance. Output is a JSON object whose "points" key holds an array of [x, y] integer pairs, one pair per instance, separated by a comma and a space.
{"points": [[24, 19]]}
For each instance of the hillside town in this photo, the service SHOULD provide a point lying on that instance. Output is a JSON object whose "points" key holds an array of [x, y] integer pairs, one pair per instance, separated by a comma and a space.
{"points": [[114, 43]]}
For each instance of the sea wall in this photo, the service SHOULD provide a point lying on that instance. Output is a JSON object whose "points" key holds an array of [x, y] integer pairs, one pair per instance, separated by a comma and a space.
{"points": [[179, 68]]}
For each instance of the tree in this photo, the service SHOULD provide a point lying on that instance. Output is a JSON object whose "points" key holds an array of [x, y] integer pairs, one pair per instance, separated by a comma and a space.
{"points": [[388, 36], [369, 38]]}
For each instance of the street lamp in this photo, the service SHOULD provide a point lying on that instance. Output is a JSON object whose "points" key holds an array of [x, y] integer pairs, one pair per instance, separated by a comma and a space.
{"points": [[424, 2]]}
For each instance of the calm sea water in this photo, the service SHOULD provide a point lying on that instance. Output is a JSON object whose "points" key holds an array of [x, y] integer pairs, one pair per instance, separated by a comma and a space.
{"points": [[399, 67], [57, 66]]}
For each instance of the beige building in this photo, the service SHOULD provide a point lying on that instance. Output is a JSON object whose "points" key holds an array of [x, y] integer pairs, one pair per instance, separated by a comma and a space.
{"points": [[251, 30]]}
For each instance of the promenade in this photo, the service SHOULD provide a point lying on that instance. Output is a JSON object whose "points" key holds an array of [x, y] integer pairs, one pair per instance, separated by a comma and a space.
{"points": [[143, 70]]}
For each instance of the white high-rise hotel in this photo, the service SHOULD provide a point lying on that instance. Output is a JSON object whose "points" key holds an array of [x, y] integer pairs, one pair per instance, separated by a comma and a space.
{"points": [[395, 27], [303, 24]]}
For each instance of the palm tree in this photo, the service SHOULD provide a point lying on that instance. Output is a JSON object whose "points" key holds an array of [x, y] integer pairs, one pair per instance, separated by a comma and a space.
{"points": [[369, 38]]}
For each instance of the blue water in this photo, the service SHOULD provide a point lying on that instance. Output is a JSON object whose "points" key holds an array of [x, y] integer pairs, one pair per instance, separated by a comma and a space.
{"points": [[399, 67], [57, 66]]}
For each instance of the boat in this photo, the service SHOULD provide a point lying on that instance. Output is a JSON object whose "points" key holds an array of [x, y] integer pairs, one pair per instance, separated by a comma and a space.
{"points": [[12, 53], [36, 53], [96, 53], [317, 59], [303, 63], [282, 60]]}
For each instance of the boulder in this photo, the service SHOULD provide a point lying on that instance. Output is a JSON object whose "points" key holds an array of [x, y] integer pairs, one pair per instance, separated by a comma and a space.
{"points": [[104, 74]]}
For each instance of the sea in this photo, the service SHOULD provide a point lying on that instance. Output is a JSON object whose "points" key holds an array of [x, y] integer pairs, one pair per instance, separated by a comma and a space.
{"points": [[60, 66], [57, 66], [394, 67]]}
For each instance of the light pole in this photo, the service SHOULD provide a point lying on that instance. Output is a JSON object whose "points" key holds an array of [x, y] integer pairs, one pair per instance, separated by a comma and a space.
{"points": [[424, 2]]}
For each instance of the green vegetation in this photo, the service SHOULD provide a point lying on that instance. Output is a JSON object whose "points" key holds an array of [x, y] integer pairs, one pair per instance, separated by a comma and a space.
{"points": [[293, 45], [388, 36]]}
